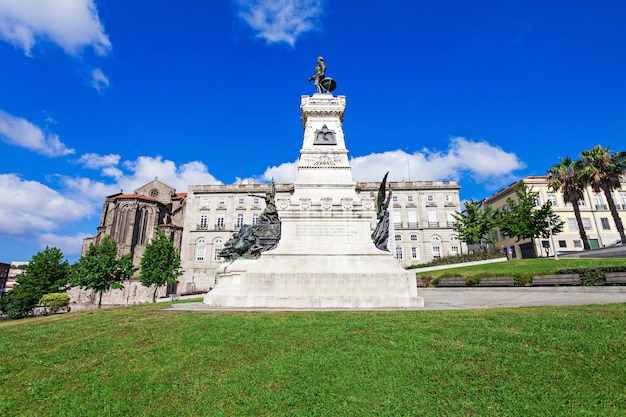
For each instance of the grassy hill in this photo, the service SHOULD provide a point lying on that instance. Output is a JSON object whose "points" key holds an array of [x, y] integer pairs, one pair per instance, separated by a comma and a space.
{"points": [[521, 267], [143, 361]]}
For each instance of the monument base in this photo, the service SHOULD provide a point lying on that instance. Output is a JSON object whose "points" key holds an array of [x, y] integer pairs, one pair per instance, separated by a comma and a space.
{"points": [[260, 284]]}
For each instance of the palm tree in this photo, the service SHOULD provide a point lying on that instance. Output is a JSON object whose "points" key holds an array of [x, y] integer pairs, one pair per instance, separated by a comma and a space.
{"points": [[602, 170], [566, 177]]}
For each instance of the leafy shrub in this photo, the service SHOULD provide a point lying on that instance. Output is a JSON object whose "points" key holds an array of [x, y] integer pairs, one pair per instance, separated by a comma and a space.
{"points": [[592, 276], [458, 259], [55, 301], [18, 303]]}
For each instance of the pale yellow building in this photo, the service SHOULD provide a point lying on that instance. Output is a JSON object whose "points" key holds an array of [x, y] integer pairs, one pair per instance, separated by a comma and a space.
{"points": [[594, 210]]}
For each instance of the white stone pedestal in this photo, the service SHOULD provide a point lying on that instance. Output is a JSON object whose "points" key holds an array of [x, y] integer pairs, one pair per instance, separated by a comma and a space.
{"points": [[325, 258]]}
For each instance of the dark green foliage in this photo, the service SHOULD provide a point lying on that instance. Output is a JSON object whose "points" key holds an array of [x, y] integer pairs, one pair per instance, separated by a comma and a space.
{"points": [[100, 270], [18, 303], [476, 224], [592, 276], [524, 220], [160, 264], [46, 272]]}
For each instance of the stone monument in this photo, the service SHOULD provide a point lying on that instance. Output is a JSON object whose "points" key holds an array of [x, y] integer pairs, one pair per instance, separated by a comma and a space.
{"points": [[326, 257]]}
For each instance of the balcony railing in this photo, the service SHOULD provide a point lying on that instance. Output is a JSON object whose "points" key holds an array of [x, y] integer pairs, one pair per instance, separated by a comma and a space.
{"points": [[219, 227], [601, 207], [433, 224]]}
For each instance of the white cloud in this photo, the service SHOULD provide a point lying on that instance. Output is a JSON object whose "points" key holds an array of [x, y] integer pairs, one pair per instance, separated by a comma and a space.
{"points": [[29, 206], [71, 24], [95, 161], [99, 81], [20, 132], [69, 245], [280, 20], [481, 161]]}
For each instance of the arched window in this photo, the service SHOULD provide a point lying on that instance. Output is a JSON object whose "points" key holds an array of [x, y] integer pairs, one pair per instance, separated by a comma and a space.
{"points": [[398, 237], [142, 224], [122, 224], [255, 219], [200, 249], [239, 220], [414, 237], [218, 245]]}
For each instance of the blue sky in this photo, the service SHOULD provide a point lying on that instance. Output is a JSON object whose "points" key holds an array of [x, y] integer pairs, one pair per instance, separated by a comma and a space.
{"points": [[99, 96]]}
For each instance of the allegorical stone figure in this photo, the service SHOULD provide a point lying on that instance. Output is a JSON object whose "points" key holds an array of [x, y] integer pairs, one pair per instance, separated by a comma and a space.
{"points": [[320, 71], [380, 235]]}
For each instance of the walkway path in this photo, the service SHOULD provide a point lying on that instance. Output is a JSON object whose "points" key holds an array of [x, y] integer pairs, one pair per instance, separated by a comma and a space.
{"points": [[469, 298]]}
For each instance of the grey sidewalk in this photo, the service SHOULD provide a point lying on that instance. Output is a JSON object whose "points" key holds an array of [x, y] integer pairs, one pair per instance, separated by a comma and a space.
{"points": [[471, 298]]}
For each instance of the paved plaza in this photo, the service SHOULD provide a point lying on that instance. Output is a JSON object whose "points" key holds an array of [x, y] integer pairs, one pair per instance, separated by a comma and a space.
{"points": [[473, 298]]}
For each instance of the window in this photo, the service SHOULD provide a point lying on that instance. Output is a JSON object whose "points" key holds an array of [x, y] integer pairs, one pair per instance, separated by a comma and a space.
{"points": [[448, 198], [571, 223], [622, 197], [430, 198], [597, 200], [222, 202], [415, 253], [578, 244], [397, 221], [218, 245], [581, 202], [200, 249], [241, 201], [454, 250], [432, 219], [587, 223], [552, 199], [255, 201], [239, 220], [203, 221], [220, 222], [144, 221], [255, 219], [451, 220], [537, 202], [436, 252], [409, 198], [412, 219], [562, 244], [398, 238], [413, 237], [605, 223], [394, 198], [398, 252], [505, 207]]}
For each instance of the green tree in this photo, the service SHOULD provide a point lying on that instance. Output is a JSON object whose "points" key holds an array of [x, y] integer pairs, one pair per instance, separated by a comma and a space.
{"points": [[567, 176], [602, 170], [100, 270], [160, 264], [524, 219], [46, 272], [476, 223]]}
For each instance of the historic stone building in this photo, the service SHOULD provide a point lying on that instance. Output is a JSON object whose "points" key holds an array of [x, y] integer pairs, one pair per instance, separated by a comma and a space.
{"points": [[132, 220], [596, 216], [202, 220]]}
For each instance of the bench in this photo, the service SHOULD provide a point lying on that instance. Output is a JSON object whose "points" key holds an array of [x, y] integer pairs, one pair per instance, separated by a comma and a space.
{"points": [[559, 279], [615, 278], [451, 282], [496, 282]]}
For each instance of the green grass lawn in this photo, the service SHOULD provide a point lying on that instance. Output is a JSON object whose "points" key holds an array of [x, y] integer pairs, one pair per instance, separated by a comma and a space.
{"points": [[141, 361], [528, 267]]}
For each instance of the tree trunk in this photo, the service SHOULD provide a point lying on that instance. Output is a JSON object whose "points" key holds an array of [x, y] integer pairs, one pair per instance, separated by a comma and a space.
{"points": [[581, 227], [615, 214], [156, 288], [100, 300]]}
